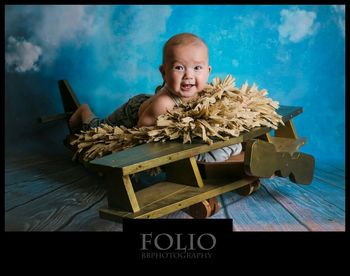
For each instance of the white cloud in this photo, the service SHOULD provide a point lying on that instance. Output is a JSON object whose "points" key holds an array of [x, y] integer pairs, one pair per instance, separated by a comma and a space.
{"points": [[296, 24], [122, 34], [48, 27], [339, 11], [63, 23], [21, 55]]}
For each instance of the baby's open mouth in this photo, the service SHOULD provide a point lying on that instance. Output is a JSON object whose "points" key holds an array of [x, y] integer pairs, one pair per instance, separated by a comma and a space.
{"points": [[186, 86]]}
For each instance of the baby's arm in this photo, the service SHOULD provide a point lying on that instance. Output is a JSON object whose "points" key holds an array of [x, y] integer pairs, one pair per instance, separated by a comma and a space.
{"points": [[157, 107]]}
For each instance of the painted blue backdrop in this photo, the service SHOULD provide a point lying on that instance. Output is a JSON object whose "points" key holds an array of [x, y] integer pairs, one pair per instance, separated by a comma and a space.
{"points": [[109, 53]]}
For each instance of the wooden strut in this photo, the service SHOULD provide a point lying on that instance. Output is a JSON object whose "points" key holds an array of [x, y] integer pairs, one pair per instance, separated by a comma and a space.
{"points": [[70, 104], [57, 117]]}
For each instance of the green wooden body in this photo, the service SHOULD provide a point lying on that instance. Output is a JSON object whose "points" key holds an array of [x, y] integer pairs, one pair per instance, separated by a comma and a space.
{"points": [[185, 185]]}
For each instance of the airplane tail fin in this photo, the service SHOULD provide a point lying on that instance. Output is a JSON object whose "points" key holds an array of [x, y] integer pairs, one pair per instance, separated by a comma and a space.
{"points": [[69, 99]]}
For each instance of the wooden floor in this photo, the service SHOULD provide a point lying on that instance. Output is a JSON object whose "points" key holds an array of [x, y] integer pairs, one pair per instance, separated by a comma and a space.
{"points": [[51, 193]]}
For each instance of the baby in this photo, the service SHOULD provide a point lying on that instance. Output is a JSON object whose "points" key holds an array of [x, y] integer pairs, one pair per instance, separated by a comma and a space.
{"points": [[185, 70]]}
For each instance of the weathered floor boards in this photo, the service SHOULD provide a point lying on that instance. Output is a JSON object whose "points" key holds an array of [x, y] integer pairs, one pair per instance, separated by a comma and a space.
{"points": [[51, 193]]}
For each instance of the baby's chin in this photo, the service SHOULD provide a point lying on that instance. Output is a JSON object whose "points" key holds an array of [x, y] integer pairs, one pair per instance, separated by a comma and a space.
{"points": [[188, 94]]}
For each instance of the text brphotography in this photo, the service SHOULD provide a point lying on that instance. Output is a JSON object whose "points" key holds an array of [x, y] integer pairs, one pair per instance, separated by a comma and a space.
{"points": [[165, 239]]}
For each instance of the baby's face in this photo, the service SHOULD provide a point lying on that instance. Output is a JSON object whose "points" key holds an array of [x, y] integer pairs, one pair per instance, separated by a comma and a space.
{"points": [[186, 70]]}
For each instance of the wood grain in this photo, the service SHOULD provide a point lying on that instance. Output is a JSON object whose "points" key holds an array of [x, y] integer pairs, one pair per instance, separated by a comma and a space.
{"points": [[310, 209], [50, 198], [55, 209], [90, 221], [259, 212], [328, 176]]}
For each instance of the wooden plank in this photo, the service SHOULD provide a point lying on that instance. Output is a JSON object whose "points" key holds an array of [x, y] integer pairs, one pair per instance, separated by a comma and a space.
{"points": [[55, 210], [257, 212], [335, 166], [182, 199], [29, 176], [153, 155], [158, 192], [40, 171], [89, 220], [333, 194], [330, 179], [15, 159], [225, 200], [289, 112], [30, 189], [34, 163], [326, 174], [309, 209], [32, 156]]}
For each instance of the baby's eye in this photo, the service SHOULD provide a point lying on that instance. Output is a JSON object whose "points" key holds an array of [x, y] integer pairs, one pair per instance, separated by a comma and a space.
{"points": [[199, 67], [179, 67]]}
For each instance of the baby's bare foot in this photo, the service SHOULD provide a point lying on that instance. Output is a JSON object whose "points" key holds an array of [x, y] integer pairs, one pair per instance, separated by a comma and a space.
{"points": [[74, 120]]}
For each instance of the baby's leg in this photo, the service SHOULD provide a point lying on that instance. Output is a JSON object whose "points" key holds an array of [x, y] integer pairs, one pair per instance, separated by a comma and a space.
{"points": [[82, 115], [220, 155]]}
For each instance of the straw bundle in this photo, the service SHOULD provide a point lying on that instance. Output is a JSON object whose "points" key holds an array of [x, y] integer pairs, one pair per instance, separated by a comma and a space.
{"points": [[222, 111]]}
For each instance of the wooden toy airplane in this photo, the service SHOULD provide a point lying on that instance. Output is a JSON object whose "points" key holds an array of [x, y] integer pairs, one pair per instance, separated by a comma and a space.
{"points": [[190, 183]]}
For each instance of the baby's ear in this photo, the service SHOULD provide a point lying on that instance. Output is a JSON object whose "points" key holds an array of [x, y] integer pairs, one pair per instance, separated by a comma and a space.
{"points": [[209, 67], [162, 71]]}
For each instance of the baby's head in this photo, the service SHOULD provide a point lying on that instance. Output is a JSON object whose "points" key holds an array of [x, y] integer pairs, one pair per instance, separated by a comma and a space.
{"points": [[185, 67]]}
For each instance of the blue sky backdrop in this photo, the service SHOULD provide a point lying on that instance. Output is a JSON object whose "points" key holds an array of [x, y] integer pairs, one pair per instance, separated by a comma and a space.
{"points": [[110, 53]]}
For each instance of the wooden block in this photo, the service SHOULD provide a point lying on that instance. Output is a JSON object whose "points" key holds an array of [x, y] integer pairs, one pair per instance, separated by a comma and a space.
{"points": [[262, 160], [205, 208], [200, 210], [287, 144]]}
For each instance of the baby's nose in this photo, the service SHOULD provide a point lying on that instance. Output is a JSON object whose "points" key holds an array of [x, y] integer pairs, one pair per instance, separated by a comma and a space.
{"points": [[188, 75]]}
